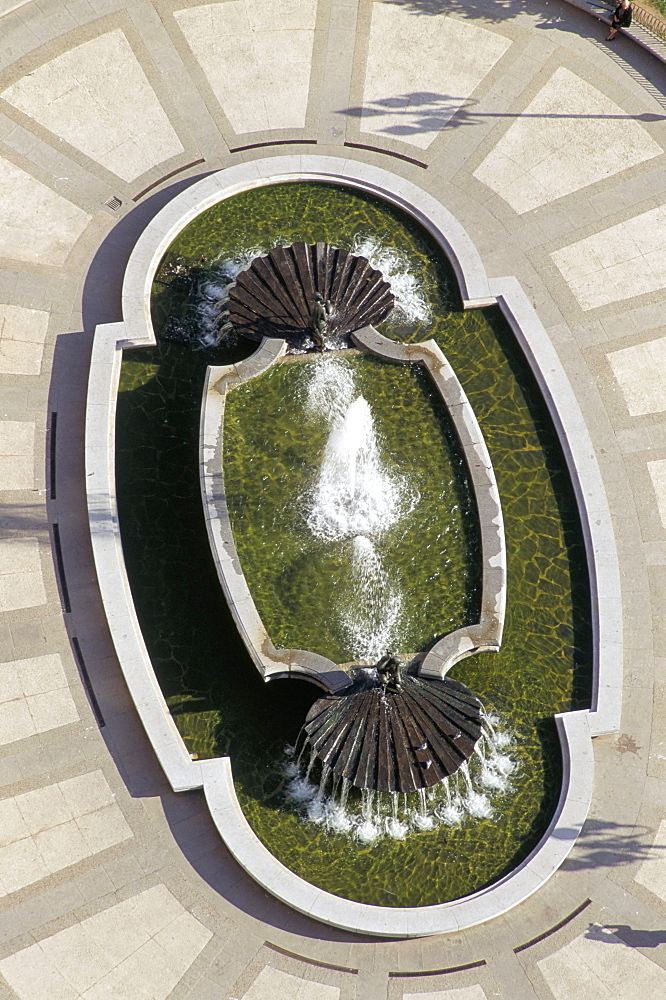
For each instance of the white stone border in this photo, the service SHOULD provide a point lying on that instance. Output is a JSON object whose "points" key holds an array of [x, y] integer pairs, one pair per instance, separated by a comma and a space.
{"points": [[214, 776], [486, 634], [269, 661], [602, 561], [482, 636], [14, 7]]}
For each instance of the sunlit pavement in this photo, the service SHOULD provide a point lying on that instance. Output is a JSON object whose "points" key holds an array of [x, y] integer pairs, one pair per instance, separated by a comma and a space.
{"points": [[547, 145]]}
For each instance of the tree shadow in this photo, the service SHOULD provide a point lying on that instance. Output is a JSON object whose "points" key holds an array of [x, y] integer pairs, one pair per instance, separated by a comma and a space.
{"points": [[489, 10], [445, 110], [431, 112], [624, 934], [605, 844]]}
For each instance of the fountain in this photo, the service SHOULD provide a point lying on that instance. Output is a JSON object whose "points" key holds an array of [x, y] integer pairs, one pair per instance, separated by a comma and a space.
{"points": [[382, 729], [224, 716], [393, 732], [310, 296]]}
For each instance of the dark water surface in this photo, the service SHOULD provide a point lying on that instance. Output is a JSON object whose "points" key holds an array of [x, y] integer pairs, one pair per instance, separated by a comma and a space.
{"points": [[217, 699]]}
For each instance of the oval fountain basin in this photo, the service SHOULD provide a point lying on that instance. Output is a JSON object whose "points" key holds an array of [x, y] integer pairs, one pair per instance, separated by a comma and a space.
{"points": [[218, 701]]}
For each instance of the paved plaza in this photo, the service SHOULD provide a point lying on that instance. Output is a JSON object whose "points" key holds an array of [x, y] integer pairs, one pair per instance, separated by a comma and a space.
{"points": [[547, 145]]}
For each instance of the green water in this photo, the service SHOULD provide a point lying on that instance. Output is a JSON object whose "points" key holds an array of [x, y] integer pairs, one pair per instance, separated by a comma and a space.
{"points": [[302, 585], [218, 702]]}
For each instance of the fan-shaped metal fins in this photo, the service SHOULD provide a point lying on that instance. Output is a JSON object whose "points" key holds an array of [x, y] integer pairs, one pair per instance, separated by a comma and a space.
{"points": [[275, 296], [395, 741]]}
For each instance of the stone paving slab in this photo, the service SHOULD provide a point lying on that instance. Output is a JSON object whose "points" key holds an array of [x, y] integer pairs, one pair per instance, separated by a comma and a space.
{"points": [[570, 135], [456, 116], [87, 97], [34, 697], [256, 55], [138, 948], [51, 828], [621, 262], [21, 581], [413, 98], [22, 336]]}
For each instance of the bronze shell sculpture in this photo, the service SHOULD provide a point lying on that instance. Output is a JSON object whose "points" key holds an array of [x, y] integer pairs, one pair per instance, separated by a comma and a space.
{"points": [[308, 295], [399, 740]]}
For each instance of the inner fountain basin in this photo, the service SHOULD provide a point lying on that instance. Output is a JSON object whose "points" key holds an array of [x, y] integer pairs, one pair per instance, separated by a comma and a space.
{"points": [[540, 670], [419, 551]]}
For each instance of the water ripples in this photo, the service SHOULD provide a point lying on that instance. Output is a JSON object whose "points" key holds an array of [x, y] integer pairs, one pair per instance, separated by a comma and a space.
{"points": [[356, 498]]}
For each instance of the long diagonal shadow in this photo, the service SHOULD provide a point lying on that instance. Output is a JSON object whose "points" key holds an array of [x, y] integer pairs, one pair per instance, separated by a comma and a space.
{"points": [[603, 844], [432, 111]]}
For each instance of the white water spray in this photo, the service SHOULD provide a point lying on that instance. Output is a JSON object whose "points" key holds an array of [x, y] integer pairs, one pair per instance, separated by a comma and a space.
{"points": [[370, 621], [213, 291], [354, 501], [410, 302], [354, 494], [369, 816]]}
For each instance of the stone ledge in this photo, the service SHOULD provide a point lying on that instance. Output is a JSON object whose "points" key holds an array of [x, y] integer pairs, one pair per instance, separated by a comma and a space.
{"points": [[485, 635], [574, 728], [422, 921], [638, 34], [602, 561], [269, 661]]}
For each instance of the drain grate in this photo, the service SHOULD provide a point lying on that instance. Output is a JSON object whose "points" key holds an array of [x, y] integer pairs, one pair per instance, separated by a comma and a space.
{"points": [[551, 930], [438, 972], [113, 203]]}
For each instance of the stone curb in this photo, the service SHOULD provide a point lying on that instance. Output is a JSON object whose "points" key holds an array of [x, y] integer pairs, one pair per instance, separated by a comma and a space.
{"points": [[423, 921], [269, 661], [595, 517], [107, 352], [575, 728], [486, 635]]}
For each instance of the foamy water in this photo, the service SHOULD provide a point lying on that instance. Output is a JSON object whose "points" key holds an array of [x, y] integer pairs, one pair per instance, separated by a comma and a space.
{"points": [[466, 796], [354, 494], [329, 391], [212, 292], [410, 301], [355, 499]]}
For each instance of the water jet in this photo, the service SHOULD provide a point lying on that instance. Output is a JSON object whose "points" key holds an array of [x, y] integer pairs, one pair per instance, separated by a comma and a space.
{"points": [[474, 342], [378, 731]]}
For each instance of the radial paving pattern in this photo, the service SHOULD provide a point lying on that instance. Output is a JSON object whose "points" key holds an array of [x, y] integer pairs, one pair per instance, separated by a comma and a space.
{"points": [[626, 260], [413, 96], [256, 55], [37, 225], [599, 964], [138, 948], [569, 136], [547, 145], [89, 97], [34, 697]]}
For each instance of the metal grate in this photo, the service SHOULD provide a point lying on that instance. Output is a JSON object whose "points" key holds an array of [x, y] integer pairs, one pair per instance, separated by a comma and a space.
{"points": [[113, 203], [552, 930]]}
